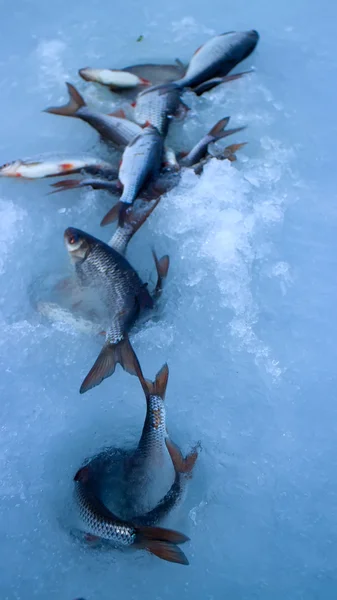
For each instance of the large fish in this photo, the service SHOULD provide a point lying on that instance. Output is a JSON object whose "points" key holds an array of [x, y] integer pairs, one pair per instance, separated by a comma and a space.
{"points": [[173, 498], [216, 58], [141, 162], [101, 523], [120, 295], [49, 167], [116, 129], [201, 148], [150, 471]]}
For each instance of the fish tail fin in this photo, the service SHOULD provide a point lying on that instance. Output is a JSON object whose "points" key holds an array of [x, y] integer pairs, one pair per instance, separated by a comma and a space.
{"points": [[229, 151], [181, 464], [112, 215], [158, 387], [70, 109], [108, 358], [66, 184], [217, 132], [162, 267], [162, 543]]}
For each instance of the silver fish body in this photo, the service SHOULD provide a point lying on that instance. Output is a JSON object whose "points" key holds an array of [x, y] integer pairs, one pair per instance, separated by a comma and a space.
{"points": [[157, 108], [141, 161], [51, 167], [217, 57]]}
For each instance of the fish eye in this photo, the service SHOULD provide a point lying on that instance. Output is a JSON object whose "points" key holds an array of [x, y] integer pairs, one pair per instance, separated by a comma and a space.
{"points": [[73, 239]]}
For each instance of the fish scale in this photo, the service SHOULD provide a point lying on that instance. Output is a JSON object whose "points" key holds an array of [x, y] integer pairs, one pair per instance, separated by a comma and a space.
{"points": [[156, 108]]}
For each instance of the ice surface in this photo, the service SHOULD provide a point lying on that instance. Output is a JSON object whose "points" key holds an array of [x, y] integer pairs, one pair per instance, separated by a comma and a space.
{"points": [[247, 322]]}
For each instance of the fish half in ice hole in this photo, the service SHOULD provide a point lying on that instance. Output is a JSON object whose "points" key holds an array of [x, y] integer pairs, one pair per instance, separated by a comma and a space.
{"points": [[102, 524], [216, 58], [120, 295], [201, 148], [114, 128], [52, 167], [128, 81], [150, 471], [141, 163]]}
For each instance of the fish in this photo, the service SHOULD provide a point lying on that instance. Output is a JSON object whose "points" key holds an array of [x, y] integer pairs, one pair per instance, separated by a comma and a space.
{"points": [[156, 108], [200, 149], [113, 78], [183, 472], [229, 153], [39, 169], [150, 467], [141, 162], [114, 128], [216, 58], [101, 523], [121, 295]]}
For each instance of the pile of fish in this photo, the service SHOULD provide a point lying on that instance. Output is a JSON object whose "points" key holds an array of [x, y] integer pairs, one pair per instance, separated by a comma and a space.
{"points": [[108, 293]]}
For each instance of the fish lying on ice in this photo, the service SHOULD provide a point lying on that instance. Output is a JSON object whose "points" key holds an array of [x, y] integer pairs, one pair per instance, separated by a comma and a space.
{"points": [[201, 148], [40, 168], [216, 58], [101, 523], [116, 129], [113, 78], [120, 293]]}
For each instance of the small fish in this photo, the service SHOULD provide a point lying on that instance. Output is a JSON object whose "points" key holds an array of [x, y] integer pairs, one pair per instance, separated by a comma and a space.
{"points": [[216, 58], [183, 472], [119, 292], [141, 162], [103, 524], [157, 108], [113, 78], [38, 169], [200, 149], [114, 128]]}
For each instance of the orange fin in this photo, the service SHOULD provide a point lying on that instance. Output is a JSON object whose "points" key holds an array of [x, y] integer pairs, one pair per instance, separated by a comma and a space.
{"points": [[181, 464], [118, 113], [158, 387], [145, 81], [229, 151], [164, 550], [70, 109], [162, 267], [65, 184], [108, 358]]}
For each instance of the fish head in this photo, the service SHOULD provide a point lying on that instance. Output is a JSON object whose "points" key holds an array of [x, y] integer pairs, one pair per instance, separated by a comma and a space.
{"points": [[11, 169], [78, 243]]}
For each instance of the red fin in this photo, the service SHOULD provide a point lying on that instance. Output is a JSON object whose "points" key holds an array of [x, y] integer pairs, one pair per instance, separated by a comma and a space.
{"points": [[164, 550], [145, 81], [133, 104], [219, 127], [181, 464], [112, 215], [118, 113], [158, 387], [66, 166], [68, 110], [65, 184], [108, 358], [146, 124], [162, 267], [160, 533], [83, 474]]}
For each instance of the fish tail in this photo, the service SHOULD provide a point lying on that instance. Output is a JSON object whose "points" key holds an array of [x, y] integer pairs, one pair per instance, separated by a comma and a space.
{"points": [[162, 543], [158, 387], [108, 358], [181, 464], [162, 267], [229, 151], [112, 215], [217, 132], [66, 184], [70, 109]]}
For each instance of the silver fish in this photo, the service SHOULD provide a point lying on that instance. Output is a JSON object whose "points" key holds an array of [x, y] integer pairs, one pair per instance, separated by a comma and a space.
{"points": [[103, 524], [216, 58], [113, 78], [52, 167], [120, 294], [183, 472], [156, 108], [116, 129], [141, 162], [201, 148]]}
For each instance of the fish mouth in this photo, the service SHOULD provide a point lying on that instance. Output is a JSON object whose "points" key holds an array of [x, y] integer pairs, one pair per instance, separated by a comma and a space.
{"points": [[85, 74]]}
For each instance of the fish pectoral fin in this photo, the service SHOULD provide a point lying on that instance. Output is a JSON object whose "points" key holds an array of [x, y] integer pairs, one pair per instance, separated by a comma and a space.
{"points": [[92, 539], [162, 267], [181, 464], [162, 543], [120, 114], [106, 362]]}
